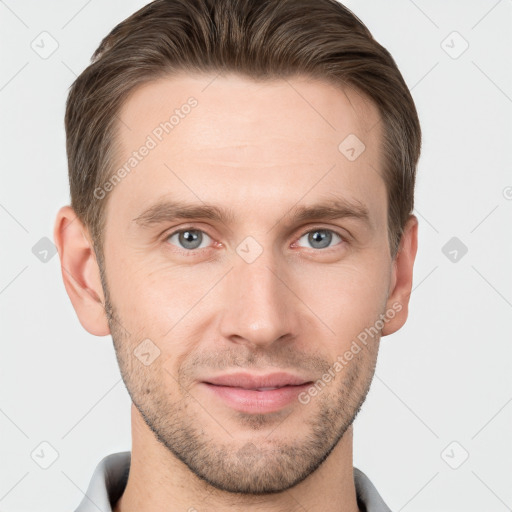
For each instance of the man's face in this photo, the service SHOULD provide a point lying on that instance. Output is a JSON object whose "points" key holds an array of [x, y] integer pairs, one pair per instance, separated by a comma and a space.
{"points": [[258, 293]]}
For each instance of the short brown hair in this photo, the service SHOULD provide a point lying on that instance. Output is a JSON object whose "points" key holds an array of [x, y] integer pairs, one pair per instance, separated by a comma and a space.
{"points": [[259, 39]]}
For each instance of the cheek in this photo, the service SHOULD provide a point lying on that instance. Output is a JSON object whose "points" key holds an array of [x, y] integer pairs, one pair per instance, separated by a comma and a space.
{"points": [[347, 298], [164, 303], [150, 291]]}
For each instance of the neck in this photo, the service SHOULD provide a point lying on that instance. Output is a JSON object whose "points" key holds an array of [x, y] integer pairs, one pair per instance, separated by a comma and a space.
{"points": [[160, 481]]}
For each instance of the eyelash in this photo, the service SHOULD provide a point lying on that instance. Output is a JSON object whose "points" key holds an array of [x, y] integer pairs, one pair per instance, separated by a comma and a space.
{"points": [[192, 252]]}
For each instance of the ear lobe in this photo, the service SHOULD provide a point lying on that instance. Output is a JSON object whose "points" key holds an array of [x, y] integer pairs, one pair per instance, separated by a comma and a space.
{"points": [[80, 271], [401, 280]]}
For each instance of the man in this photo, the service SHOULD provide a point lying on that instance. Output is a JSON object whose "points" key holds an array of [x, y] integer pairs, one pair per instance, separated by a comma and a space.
{"points": [[242, 180]]}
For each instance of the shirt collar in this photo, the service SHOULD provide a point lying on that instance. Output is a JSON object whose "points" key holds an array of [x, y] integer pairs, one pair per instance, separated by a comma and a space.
{"points": [[111, 475]]}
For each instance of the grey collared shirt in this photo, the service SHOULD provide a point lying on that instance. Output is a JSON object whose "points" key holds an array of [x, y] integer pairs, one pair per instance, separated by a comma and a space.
{"points": [[111, 475]]}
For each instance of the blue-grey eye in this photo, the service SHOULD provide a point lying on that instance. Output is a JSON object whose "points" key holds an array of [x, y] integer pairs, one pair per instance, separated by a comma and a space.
{"points": [[320, 238], [190, 239]]}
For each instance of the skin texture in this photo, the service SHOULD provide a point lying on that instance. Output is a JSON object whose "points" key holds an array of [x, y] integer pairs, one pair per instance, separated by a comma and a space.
{"points": [[261, 149]]}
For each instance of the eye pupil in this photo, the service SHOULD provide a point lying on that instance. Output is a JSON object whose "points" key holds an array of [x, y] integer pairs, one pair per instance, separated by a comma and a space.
{"points": [[189, 239], [320, 236]]}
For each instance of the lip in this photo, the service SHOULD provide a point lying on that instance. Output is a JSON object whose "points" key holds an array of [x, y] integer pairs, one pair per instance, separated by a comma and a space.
{"points": [[254, 381], [243, 391]]}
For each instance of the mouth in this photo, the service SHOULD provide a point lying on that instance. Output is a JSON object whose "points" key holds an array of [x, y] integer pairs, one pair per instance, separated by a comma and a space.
{"points": [[257, 382], [257, 394]]}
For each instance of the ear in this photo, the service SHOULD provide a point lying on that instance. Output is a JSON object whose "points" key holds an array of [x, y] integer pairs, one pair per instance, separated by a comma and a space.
{"points": [[401, 278], [80, 271]]}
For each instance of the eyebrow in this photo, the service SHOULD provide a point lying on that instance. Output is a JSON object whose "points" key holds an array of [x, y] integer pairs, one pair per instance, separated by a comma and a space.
{"points": [[172, 210], [169, 211]]}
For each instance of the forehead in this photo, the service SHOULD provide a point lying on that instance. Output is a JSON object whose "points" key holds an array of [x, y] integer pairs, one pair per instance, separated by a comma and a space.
{"points": [[267, 139], [327, 113]]}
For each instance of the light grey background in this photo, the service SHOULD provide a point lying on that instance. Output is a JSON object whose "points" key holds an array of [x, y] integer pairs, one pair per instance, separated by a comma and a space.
{"points": [[444, 378]]}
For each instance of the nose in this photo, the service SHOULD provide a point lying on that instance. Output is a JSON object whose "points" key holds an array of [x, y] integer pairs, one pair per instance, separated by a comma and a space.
{"points": [[258, 304]]}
